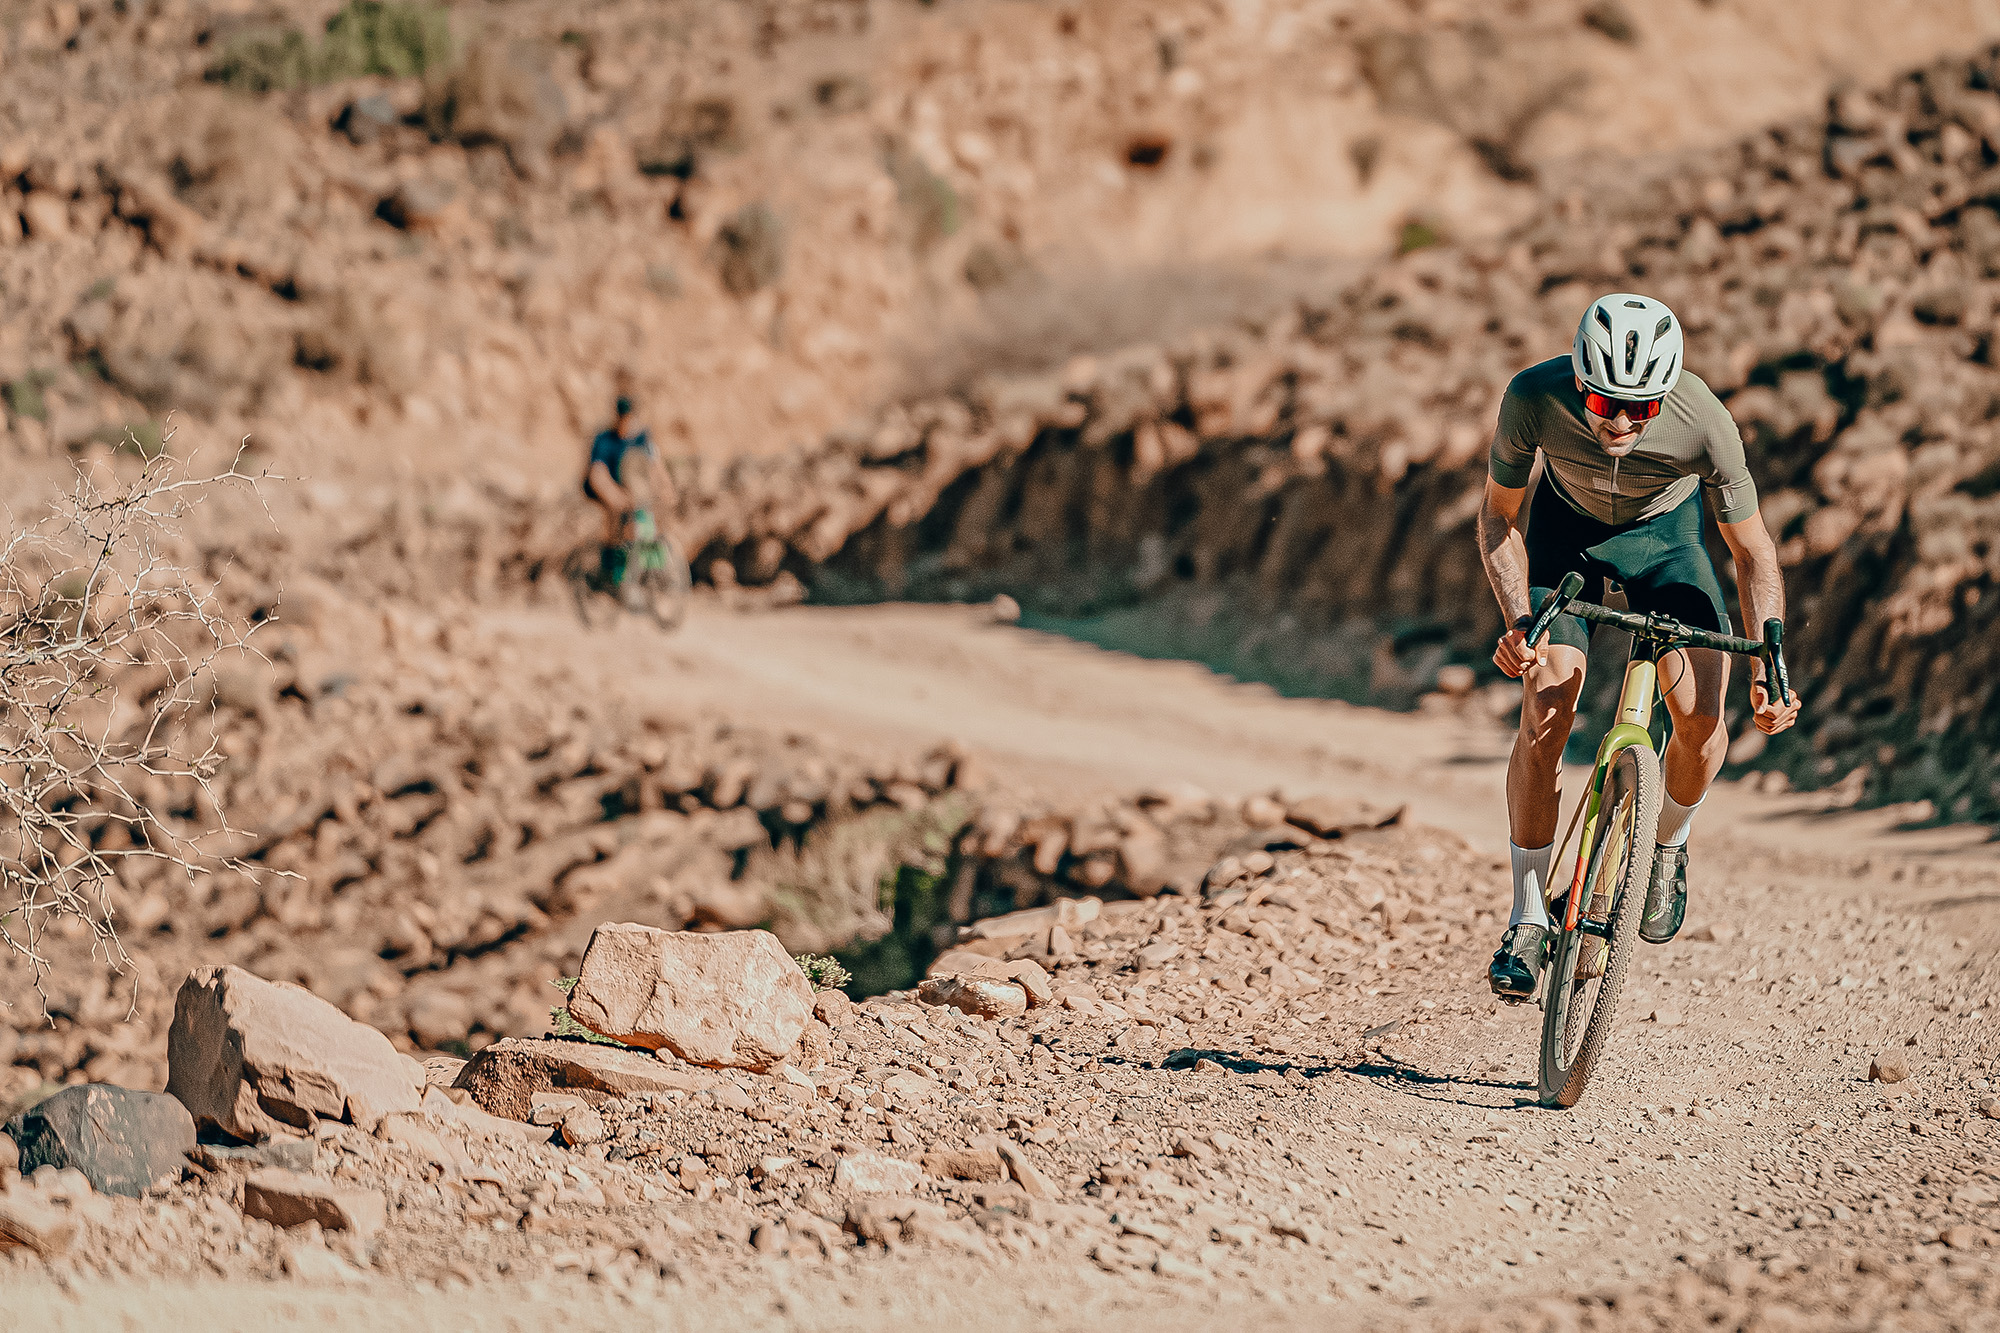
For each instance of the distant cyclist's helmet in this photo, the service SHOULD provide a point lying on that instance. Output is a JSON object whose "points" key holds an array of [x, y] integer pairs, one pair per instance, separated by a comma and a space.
{"points": [[1628, 347]]}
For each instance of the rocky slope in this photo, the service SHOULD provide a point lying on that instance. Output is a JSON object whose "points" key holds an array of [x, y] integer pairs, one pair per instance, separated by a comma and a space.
{"points": [[428, 238], [1296, 496]]}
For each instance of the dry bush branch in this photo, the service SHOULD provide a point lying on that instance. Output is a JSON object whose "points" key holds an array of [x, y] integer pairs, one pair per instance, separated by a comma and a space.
{"points": [[109, 640]]}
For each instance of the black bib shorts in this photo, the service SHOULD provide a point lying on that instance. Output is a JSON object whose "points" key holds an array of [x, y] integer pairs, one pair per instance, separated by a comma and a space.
{"points": [[1661, 562]]}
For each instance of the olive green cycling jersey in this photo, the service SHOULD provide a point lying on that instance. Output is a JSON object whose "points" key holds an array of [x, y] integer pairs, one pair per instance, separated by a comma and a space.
{"points": [[1692, 443]]}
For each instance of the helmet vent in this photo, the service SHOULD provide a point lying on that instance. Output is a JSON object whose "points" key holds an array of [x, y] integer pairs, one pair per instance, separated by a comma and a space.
{"points": [[1666, 322], [1635, 305], [1631, 350]]}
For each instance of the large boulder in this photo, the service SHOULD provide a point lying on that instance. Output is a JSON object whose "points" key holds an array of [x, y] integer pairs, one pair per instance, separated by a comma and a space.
{"points": [[505, 1077], [730, 1000], [250, 1057], [124, 1142]]}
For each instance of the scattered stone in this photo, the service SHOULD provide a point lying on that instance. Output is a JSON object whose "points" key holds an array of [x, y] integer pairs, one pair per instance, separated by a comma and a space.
{"points": [[442, 1071], [504, 1077], [735, 999], [1026, 1174], [872, 1173], [1031, 978], [582, 1127], [288, 1199], [1159, 955], [1004, 609], [1302, 1231], [124, 1142], [1963, 1236], [983, 997], [1889, 1067], [1171, 1266], [908, 1089], [1714, 932], [253, 1058], [310, 1261], [1331, 817], [26, 1221], [1989, 1106], [833, 1008]]}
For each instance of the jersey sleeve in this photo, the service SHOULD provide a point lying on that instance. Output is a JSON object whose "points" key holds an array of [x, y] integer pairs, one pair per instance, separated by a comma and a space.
{"points": [[1725, 471], [1514, 441]]}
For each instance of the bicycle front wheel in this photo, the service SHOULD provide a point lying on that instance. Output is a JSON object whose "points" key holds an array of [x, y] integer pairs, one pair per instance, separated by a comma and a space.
{"points": [[1582, 993], [658, 582]]}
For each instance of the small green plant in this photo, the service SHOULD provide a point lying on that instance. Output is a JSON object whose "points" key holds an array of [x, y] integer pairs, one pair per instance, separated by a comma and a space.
{"points": [[25, 396], [823, 972], [389, 38], [562, 1025], [1418, 234]]}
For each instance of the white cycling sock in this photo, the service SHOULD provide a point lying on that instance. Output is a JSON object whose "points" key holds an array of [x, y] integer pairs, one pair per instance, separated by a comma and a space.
{"points": [[1531, 877], [1675, 820]]}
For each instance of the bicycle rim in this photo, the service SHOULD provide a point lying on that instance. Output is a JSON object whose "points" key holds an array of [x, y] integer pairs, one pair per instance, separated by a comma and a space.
{"points": [[1577, 1013], [664, 583], [580, 574]]}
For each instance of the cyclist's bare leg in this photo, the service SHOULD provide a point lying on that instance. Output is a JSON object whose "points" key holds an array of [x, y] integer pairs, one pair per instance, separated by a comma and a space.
{"points": [[613, 499], [1548, 708], [1693, 682]]}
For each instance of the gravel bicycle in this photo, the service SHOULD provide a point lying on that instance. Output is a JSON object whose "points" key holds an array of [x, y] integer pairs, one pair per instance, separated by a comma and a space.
{"points": [[1596, 915], [650, 577]]}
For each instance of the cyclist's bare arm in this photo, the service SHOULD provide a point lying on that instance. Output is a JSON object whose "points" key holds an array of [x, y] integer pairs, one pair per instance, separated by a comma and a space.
{"points": [[612, 495], [1760, 583], [1505, 555], [662, 483]]}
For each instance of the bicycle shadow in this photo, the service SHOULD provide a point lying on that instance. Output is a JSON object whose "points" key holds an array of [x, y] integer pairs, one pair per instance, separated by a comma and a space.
{"points": [[1382, 1068]]}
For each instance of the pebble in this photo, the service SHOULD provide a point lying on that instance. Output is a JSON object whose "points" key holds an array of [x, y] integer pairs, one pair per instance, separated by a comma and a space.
{"points": [[1889, 1067]]}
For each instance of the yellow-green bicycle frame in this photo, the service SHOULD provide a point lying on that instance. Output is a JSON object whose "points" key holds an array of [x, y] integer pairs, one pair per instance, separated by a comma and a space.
{"points": [[1634, 727]]}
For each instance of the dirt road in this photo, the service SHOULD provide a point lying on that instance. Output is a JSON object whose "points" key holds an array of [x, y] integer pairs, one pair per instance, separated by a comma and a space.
{"points": [[1733, 1164]]}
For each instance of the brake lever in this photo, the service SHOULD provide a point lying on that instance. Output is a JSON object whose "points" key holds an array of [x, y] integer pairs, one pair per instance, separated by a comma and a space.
{"points": [[1774, 659], [1566, 592]]}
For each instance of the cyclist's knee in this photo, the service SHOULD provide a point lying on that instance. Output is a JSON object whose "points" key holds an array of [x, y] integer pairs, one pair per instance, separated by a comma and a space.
{"points": [[1546, 719]]}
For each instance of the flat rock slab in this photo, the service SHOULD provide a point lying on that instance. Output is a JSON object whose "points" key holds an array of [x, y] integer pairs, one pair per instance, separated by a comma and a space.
{"points": [[288, 1199], [732, 1000], [505, 1076], [124, 1142], [255, 1058]]}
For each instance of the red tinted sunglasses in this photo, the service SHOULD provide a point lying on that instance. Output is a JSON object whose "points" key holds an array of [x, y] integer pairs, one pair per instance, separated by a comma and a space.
{"points": [[1598, 405]]}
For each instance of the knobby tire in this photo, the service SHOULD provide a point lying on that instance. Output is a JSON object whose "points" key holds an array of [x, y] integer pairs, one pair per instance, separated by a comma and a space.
{"points": [[1634, 774]]}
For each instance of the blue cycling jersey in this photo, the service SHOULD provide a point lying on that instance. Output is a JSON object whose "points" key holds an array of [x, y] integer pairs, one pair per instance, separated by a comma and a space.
{"points": [[610, 448]]}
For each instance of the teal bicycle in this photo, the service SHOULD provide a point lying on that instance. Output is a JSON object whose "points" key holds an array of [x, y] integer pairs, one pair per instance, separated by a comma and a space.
{"points": [[1596, 914], [646, 576]]}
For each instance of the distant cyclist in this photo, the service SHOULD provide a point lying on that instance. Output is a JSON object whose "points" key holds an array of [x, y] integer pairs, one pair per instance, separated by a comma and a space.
{"points": [[1629, 443], [605, 481]]}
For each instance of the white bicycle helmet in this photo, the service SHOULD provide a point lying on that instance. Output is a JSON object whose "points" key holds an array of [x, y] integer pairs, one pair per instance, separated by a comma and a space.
{"points": [[1628, 347]]}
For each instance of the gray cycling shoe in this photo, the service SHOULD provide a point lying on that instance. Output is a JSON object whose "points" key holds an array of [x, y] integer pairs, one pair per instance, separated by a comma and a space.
{"points": [[1517, 964], [1666, 896]]}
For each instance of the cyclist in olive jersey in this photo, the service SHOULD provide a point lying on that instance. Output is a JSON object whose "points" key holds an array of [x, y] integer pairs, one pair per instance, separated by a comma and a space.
{"points": [[1630, 443]]}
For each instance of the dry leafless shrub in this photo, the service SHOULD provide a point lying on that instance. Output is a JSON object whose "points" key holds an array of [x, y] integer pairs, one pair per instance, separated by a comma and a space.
{"points": [[108, 638]]}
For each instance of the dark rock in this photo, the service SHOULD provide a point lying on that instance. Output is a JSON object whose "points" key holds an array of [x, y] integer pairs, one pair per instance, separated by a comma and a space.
{"points": [[124, 1142]]}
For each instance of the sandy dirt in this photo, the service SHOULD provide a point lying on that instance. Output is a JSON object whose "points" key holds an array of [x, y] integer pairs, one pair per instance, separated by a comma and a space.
{"points": [[1733, 1163]]}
